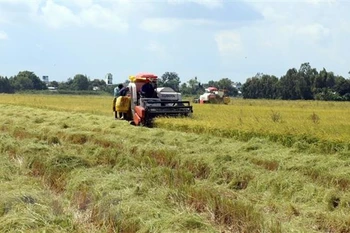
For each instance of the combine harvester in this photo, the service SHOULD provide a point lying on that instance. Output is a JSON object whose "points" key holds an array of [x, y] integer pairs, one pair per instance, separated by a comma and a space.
{"points": [[214, 96], [141, 111]]}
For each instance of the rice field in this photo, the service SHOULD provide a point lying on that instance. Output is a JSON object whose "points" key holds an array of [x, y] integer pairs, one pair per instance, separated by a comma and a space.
{"points": [[67, 166], [324, 126], [319, 126]]}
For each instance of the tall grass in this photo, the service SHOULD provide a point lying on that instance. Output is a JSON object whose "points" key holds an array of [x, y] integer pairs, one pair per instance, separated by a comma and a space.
{"points": [[68, 171]]}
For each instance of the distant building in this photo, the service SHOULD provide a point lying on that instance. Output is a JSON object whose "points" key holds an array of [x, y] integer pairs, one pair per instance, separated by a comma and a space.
{"points": [[109, 79], [238, 85], [46, 79]]}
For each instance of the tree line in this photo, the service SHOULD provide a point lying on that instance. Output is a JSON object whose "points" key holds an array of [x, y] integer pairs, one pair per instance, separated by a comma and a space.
{"points": [[303, 84], [28, 81], [22, 81], [194, 86]]}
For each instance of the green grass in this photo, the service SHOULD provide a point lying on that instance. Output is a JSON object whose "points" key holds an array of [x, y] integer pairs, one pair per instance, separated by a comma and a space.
{"points": [[76, 171]]}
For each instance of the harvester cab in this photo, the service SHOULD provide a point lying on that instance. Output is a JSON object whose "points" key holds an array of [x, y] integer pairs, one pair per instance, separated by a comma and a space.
{"points": [[165, 102]]}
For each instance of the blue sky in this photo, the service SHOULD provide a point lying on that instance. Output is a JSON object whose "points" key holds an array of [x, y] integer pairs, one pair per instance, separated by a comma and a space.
{"points": [[210, 39]]}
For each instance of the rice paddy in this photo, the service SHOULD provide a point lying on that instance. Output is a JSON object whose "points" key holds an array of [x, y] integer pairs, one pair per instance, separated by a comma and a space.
{"points": [[68, 166], [319, 126]]}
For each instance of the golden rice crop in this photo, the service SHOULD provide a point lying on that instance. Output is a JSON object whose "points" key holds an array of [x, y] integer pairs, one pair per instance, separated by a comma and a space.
{"points": [[285, 121], [93, 104], [312, 121]]}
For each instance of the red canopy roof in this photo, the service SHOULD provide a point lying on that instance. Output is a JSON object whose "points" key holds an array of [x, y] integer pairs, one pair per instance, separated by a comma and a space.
{"points": [[212, 88], [146, 75]]}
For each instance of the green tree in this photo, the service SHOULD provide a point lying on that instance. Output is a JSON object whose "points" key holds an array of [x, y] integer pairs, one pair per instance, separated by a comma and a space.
{"points": [[320, 81], [22, 83], [5, 85], [325, 86], [54, 84], [260, 86], [170, 79], [287, 85], [27, 80], [330, 80], [194, 87], [64, 86], [226, 84], [307, 76], [80, 82], [305, 83], [186, 90], [101, 84], [193, 83], [342, 86], [267, 86], [302, 89], [212, 83], [250, 89]]}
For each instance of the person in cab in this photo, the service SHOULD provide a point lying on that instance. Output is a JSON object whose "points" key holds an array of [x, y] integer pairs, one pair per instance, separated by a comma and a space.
{"points": [[147, 90]]}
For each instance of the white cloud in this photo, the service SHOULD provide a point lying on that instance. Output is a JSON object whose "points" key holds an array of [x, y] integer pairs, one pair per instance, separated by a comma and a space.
{"points": [[31, 4], [210, 3], [3, 35], [129, 10], [317, 2], [82, 3], [228, 42], [312, 34], [15, 11], [315, 32], [104, 18], [57, 16], [3, 18], [270, 13], [165, 25], [206, 3], [110, 15], [282, 29], [290, 32], [160, 24], [293, 32]]}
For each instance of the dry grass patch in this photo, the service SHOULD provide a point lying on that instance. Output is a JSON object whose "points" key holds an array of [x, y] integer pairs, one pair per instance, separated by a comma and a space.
{"points": [[268, 165], [225, 209]]}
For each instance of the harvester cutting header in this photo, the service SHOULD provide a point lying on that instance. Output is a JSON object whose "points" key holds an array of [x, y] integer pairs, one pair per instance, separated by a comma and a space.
{"points": [[144, 101]]}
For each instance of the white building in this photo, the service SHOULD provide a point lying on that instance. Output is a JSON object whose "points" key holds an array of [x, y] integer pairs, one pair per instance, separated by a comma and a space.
{"points": [[109, 79]]}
